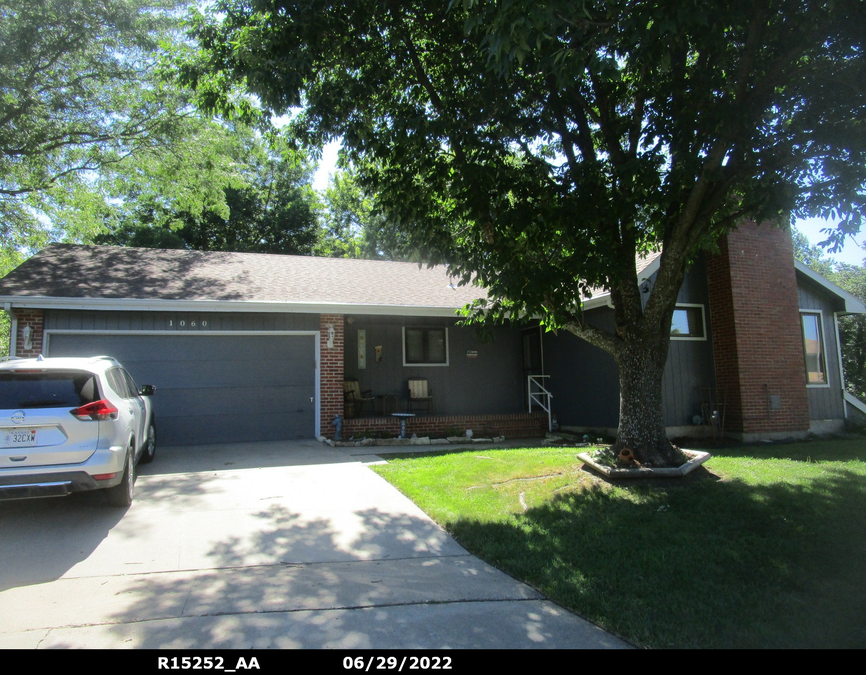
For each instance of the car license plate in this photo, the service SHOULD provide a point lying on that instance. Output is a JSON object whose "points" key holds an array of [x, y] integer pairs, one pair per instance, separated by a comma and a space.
{"points": [[19, 438]]}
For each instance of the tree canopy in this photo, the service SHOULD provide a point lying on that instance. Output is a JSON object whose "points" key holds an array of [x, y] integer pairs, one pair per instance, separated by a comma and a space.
{"points": [[80, 89], [94, 127], [272, 209], [353, 224]]}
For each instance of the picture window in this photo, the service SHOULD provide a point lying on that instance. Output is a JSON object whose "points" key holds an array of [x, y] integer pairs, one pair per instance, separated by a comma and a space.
{"points": [[688, 323], [813, 347], [425, 346]]}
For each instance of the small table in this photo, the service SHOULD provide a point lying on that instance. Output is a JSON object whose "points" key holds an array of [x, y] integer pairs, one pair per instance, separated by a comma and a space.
{"points": [[403, 417], [386, 405]]}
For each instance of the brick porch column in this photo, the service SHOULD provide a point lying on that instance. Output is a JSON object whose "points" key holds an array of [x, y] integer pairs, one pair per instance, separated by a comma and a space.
{"points": [[757, 336], [331, 372], [34, 319]]}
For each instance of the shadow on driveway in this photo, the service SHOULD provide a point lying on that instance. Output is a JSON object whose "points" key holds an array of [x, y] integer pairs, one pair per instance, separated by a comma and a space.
{"points": [[208, 507]]}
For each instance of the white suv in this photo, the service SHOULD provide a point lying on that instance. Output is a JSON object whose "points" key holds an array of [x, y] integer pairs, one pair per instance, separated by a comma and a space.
{"points": [[72, 424]]}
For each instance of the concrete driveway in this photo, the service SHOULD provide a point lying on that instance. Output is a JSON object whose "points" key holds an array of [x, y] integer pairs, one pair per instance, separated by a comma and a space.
{"points": [[265, 545]]}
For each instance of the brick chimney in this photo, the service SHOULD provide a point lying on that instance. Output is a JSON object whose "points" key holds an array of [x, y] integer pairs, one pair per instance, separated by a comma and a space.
{"points": [[757, 337]]}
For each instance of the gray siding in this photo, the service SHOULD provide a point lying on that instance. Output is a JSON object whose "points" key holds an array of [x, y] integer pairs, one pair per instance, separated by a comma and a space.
{"points": [[212, 321], [825, 403], [585, 379], [486, 384], [689, 368]]}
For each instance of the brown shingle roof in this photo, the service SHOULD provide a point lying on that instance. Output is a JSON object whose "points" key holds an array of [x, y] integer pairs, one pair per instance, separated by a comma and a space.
{"points": [[104, 273], [71, 271]]}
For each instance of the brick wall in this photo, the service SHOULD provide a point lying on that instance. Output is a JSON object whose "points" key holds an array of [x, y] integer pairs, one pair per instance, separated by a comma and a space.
{"points": [[516, 425], [34, 318], [757, 340], [331, 373]]}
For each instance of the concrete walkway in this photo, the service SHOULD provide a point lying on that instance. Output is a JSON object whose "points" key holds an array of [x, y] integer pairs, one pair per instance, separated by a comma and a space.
{"points": [[266, 545]]}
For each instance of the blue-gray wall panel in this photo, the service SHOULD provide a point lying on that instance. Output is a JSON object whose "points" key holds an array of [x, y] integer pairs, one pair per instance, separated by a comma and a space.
{"points": [[689, 370], [584, 379], [489, 383], [825, 403], [98, 320]]}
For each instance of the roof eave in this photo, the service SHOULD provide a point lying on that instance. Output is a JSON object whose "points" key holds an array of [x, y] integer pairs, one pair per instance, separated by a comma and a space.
{"points": [[270, 306], [603, 299], [596, 301], [852, 304]]}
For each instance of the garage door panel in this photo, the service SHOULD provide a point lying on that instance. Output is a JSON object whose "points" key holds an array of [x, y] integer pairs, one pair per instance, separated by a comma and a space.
{"points": [[178, 374], [220, 429], [185, 348], [236, 401], [214, 388], [192, 347]]}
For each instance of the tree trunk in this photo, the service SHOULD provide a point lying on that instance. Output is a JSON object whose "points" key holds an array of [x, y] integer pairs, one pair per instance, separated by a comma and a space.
{"points": [[641, 422]]}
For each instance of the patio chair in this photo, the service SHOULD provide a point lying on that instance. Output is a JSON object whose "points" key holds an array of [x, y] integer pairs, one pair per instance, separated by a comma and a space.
{"points": [[419, 395], [354, 398]]}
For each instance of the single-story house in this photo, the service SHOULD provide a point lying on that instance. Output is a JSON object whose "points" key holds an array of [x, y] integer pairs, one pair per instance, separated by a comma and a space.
{"points": [[245, 346]]}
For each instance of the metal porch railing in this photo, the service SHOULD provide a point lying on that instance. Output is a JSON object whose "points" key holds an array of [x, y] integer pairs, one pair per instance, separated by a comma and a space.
{"points": [[540, 396]]}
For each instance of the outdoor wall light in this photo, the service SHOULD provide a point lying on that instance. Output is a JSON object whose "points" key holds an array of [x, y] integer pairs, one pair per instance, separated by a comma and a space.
{"points": [[27, 334], [331, 335]]}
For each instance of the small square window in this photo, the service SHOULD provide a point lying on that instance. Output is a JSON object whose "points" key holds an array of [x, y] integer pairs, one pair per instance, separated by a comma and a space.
{"points": [[425, 346], [688, 323], [813, 347]]}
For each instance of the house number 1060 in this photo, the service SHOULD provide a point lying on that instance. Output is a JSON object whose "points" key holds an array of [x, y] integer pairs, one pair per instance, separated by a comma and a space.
{"points": [[183, 323]]}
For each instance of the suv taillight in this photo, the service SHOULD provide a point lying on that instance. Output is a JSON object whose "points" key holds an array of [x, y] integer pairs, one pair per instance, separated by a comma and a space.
{"points": [[98, 410]]}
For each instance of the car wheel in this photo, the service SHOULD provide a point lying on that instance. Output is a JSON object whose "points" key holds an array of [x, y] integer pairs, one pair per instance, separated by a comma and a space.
{"points": [[149, 449], [121, 495]]}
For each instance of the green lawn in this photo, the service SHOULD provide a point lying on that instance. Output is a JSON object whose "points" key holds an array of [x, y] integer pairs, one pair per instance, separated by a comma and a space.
{"points": [[762, 547]]}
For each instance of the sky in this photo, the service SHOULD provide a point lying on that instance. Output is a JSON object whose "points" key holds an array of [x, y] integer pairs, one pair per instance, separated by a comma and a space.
{"points": [[853, 253], [326, 166]]}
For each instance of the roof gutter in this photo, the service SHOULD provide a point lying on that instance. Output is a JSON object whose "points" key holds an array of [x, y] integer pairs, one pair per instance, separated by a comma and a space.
{"points": [[598, 301], [605, 300], [266, 306], [852, 304]]}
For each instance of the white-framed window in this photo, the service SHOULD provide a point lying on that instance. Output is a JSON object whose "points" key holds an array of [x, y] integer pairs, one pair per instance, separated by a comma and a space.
{"points": [[425, 346], [814, 348], [688, 322]]}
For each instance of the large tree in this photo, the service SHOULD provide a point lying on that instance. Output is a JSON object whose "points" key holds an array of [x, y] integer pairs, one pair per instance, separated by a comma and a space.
{"points": [[273, 209], [81, 88], [538, 147], [354, 225], [93, 125]]}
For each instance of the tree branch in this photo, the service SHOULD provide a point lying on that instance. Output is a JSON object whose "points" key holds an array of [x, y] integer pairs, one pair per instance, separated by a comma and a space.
{"points": [[607, 118], [424, 80], [595, 336]]}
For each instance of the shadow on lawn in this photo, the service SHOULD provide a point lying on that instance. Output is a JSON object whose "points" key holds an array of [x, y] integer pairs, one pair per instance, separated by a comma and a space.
{"points": [[707, 564], [811, 451]]}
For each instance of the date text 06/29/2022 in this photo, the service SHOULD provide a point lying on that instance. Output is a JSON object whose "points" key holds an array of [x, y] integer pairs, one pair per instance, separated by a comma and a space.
{"points": [[367, 663]]}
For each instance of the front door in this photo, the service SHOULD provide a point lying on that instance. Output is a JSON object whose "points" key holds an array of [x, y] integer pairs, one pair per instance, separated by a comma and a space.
{"points": [[533, 359]]}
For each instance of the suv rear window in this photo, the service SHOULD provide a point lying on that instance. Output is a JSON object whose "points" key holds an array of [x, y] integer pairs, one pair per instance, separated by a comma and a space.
{"points": [[47, 389]]}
